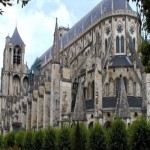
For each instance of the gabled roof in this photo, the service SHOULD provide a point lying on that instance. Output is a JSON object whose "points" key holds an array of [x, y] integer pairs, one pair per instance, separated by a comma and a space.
{"points": [[16, 39]]}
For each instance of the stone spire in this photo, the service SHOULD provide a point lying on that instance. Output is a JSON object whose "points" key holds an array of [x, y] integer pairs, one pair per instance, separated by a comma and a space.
{"points": [[55, 54], [16, 39], [79, 110], [122, 108]]}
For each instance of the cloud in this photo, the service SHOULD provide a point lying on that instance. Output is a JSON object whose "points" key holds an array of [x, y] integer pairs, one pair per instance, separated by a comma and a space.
{"points": [[35, 25]]}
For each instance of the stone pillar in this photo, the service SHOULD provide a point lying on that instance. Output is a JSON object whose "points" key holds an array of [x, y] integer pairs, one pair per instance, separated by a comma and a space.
{"points": [[98, 90], [65, 96], [46, 105], [34, 110], [55, 95]]}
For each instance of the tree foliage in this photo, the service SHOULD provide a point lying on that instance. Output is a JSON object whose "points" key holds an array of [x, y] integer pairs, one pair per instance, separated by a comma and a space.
{"points": [[10, 3], [9, 140], [38, 140], [49, 141], [140, 135], [19, 139], [79, 137], [144, 49], [64, 140], [28, 140], [118, 135], [97, 138]]}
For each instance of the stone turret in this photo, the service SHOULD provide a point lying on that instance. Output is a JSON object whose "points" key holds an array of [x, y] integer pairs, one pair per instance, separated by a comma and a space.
{"points": [[55, 52], [55, 81]]}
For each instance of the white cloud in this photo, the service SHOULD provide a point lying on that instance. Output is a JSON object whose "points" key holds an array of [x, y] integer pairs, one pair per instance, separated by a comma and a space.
{"points": [[34, 25]]}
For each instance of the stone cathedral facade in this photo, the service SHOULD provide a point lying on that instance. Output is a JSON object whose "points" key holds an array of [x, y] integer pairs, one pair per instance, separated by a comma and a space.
{"points": [[91, 73]]}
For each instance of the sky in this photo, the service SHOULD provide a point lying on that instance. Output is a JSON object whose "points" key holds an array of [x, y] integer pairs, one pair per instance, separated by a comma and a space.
{"points": [[36, 22]]}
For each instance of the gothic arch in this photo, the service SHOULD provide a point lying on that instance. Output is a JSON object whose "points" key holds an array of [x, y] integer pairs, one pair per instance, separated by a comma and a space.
{"points": [[117, 45], [17, 54], [16, 84], [90, 125], [107, 124], [89, 91], [111, 87], [130, 87], [122, 44], [117, 86], [25, 84], [126, 83], [92, 89]]}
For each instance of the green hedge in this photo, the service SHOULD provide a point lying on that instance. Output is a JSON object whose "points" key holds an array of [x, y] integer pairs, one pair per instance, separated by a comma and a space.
{"points": [[117, 137]]}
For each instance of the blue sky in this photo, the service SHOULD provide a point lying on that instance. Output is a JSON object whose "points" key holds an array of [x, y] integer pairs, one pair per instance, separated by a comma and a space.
{"points": [[36, 22]]}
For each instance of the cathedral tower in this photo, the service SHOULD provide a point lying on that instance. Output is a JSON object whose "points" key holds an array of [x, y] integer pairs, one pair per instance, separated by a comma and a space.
{"points": [[14, 71]]}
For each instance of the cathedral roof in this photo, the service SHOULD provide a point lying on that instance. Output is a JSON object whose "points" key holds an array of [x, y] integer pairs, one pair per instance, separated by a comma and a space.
{"points": [[134, 102], [103, 7], [120, 61], [16, 39]]}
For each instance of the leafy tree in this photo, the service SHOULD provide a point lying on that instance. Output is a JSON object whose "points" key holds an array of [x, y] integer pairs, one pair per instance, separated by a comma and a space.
{"points": [[97, 138], [64, 139], [80, 137], [140, 135], [10, 140], [1, 141], [38, 140], [9, 3], [118, 135], [144, 49], [19, 139], [49, 139], [28, 140]]}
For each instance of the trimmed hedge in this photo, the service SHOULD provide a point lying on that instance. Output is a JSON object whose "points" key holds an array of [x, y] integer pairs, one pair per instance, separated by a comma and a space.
{"points": [[117, 137]]}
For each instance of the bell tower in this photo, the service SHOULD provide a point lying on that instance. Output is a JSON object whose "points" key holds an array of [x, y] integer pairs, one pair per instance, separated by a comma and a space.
{"points": [[14, 70]]}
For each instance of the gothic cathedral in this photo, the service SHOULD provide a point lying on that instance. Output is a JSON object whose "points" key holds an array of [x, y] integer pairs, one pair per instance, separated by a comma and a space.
{"points": [[91, 73]]}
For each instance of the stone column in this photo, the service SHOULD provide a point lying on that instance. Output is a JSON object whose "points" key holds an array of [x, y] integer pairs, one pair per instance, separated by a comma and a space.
{"points": [[98, 90], [46, 105]]}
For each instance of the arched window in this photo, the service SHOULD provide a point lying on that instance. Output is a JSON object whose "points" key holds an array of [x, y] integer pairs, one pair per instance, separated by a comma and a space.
{"points": [[106, 89], [122, 44], [89, 91], [25, 85], [111, 87], [117, 44], [134, 43], [130, 87], [105, 45], [117, 86], [16, 85], [125, 83], [92, 90]]}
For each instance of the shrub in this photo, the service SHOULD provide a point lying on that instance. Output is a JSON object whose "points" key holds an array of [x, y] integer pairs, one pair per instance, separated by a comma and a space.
{"points": [[97, 138], [64, 138], [38, 140], [19, 139], [80, 137], [139, 134], [28, 140], [49, 141], [9, 140], [118, 136]]}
